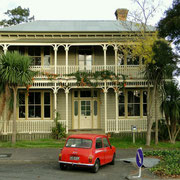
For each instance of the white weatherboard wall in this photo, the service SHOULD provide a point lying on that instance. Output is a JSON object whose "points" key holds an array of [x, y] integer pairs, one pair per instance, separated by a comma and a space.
{"points": [[61, 106]]}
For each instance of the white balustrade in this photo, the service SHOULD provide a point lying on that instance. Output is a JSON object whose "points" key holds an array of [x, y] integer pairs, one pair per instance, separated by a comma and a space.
{"points": [[29, 126], [124, 125], [132, 71]]}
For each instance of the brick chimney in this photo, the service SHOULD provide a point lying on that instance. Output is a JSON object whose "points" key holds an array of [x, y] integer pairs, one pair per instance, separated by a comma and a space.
{"points": [[121, 14]]}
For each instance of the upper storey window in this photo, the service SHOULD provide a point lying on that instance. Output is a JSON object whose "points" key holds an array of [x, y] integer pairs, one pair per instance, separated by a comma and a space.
{"points": [[35, 53], [47, 56], [85, 58]]}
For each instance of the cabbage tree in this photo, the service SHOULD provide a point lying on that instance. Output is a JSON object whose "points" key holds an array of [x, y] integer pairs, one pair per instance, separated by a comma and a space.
{"points": [[15, 71]]}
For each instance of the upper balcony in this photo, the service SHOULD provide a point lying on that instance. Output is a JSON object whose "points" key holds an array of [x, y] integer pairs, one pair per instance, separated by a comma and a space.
{"points": [[131, 71], [61, 60]]}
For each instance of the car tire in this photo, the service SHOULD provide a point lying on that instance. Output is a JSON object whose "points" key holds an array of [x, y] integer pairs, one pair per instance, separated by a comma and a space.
{"points": [[96, 166], [113, 160], [62, 166]]}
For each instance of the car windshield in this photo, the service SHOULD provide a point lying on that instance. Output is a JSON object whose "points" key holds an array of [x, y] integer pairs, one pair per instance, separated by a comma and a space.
{"points": [[79, 143]]}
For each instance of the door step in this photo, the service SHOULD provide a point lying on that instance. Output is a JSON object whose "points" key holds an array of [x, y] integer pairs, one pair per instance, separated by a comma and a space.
{"points": [[86, 131]]}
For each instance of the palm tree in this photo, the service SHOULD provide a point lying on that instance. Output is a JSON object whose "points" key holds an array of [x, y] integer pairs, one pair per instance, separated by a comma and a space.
{"points": [[171, 108], [14, 71]]}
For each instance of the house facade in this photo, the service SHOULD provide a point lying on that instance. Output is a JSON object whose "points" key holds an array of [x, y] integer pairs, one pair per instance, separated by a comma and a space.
{"points": [[62, 49]]}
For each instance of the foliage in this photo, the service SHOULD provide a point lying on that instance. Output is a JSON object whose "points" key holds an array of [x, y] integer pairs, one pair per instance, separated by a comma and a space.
{"points": [[169, 26], [16, 16], [169, 164], [85, 78], [58, 131], [14, 69], [162, 64], [171, 108], [162, 128]]}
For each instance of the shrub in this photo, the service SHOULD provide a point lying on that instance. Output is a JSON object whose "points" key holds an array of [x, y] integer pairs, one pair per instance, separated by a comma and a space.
{"points": [[162, 128], [58, 131]]}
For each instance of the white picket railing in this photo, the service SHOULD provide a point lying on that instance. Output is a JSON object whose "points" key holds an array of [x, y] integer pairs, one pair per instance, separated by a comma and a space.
{"points": [[29, 126], [124, 125], [43, 70], [132, 71]]}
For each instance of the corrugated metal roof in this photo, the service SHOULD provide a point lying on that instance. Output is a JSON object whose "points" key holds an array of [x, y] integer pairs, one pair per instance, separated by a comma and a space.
{"points": [[75, 26]]}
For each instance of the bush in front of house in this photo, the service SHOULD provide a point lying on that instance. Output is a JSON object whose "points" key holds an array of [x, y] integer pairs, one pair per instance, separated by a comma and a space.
{"points": [[58, 131]]}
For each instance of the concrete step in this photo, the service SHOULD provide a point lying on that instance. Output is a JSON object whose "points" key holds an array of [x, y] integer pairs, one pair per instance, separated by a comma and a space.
{"points": [[86, 131]]}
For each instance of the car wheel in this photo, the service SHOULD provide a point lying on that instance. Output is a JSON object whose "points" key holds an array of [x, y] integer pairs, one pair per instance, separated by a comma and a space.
{"points": [[113, 160], [96, 166], [62, 166]]}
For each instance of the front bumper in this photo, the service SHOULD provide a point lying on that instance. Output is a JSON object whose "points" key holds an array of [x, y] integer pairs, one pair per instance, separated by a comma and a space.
{"points": [[75, 164]]}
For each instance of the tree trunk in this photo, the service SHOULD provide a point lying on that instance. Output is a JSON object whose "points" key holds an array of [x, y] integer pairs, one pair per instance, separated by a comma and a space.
{"points": [[156, 118], [14, 114], [149, 119], [2, 104]]}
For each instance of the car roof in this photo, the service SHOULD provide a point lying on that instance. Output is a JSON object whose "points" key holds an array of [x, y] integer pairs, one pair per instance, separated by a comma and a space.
{"points": [[86, 136]]}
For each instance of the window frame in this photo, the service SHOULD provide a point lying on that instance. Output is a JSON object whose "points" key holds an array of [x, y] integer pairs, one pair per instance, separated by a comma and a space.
{"points": [[141, 103], [42, 106]]}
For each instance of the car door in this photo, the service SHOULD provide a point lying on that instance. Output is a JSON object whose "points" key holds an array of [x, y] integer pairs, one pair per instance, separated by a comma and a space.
{"points": [[99, 150], [108, 152]]}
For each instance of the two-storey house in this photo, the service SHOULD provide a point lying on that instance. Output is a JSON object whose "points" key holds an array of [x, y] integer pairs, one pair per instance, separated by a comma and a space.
{"points": [[59, 48]]}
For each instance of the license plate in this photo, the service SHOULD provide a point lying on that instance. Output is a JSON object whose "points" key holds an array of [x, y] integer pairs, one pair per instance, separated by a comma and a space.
{"points": [[74, 158]]}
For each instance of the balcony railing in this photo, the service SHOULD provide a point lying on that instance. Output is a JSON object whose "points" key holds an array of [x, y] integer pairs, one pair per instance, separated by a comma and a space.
{"points": [[132, 71]]}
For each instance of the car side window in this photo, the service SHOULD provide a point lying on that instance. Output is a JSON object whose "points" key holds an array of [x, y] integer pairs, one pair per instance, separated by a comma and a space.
{"points": [[98, 143], [105, 142]]}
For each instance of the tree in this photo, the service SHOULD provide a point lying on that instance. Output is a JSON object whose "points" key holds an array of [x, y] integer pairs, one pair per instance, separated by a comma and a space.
{"points": [[171, 108], [16, 16], [169, 26], [161, 67], [15, 71], [142, 46]]}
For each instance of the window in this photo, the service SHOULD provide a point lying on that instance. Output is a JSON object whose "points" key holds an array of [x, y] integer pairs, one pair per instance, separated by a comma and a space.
{"points": [[35, 53], [131, 59], [85, 58], [105, 142], [47, 59], [120, 58], [134, 103], [47, 105], [85, 93], [121, 104], [35, 105], [79, 143], [98, 143], [22, 105], [95, 108], [76, 108], [144, 103], [85, 108]]}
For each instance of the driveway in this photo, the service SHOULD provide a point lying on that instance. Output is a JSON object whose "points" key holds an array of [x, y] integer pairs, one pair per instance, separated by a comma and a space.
{"points": [[41, 163]]}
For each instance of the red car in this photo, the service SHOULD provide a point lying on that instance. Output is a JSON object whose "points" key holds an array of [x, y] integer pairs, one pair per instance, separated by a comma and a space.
{"points": [[90, 150]]}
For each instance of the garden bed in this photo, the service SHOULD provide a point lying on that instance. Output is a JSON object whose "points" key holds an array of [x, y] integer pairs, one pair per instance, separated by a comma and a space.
{"points": [[169, 165]]}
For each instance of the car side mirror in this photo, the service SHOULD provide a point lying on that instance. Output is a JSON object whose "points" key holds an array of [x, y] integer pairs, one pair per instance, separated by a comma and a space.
{"points": [[110, 146]]}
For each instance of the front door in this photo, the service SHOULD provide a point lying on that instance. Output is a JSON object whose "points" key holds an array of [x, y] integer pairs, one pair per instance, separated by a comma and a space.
{"points": [[85, 109], [85, 114]]}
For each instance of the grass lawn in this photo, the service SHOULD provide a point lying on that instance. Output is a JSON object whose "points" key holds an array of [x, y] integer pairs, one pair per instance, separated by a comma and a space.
{"points": [[126, 142], [41, 143], [118, 142]]}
